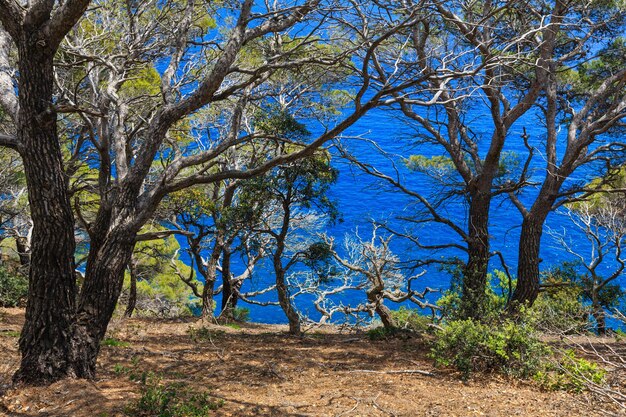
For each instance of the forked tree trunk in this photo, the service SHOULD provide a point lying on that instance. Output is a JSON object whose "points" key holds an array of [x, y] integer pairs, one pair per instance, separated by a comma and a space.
{"points": [[45, 341]]}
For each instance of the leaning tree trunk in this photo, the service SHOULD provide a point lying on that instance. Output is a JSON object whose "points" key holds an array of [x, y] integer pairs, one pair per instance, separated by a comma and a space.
{"points": [[473, 297], [375, 297], [104, 279], [45, 341]]}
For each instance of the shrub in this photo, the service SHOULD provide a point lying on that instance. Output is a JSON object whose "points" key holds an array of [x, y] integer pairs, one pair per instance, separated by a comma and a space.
{"points": [[381, 333], [241, 314], [410, 319], [171, 400], [507, 347], [13, 288], [570, 373]]}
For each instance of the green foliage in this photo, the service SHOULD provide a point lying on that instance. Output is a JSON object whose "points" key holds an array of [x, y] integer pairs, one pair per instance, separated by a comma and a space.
{"points": [[113, 342], [560, 307], [171, 400], [10, 333], [241, 314], [382, 333], [160, 291], [410, 319], [570, 373], [13, 288], [507, 347]]}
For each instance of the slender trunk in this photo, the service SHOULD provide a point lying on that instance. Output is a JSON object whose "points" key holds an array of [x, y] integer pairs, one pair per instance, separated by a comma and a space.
{"points": [[284, 298], [473, 299], [45, 341], [598, 312], [104, 279], [23, 250], [132, 294]]}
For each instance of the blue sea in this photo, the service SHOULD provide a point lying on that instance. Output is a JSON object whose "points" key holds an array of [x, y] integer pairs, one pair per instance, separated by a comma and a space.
{"points": [[363, 199]]}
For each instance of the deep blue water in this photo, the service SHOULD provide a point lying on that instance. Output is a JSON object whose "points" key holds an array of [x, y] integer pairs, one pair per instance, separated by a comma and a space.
{"points": [[362, 199]]}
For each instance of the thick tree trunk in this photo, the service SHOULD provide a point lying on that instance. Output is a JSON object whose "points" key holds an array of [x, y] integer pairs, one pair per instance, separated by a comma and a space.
{"points": [[473, 298], [45, 341], [104, 279], [527, 288]]}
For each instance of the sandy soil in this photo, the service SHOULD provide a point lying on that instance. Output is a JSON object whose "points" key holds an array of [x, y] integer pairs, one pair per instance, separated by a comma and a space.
{"points": [[258, 370]]}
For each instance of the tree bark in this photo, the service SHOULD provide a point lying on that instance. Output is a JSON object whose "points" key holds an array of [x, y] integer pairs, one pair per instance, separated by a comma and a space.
{"points": [[132, 294], [473, 298], [45, 342], [104, 279]]}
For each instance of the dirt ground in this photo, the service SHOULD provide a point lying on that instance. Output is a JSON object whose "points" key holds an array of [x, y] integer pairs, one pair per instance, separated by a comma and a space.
{"points": [[258, 370]]}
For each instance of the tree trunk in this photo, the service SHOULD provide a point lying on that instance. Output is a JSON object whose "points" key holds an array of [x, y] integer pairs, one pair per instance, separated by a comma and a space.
{"points": [[473, 298], [45, 341], [598, 312], [229, 291], [132, 294], [527, 288], [375, 297], [104, 279], [23, 250], [284, 298]]}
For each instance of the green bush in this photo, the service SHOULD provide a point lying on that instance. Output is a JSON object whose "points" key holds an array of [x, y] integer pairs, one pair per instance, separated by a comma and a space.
{"points": [[13, 288], [171, 400], [241, 314], [410, 319], [570, 373], [560, 308], [382, 333], [507, 347]]}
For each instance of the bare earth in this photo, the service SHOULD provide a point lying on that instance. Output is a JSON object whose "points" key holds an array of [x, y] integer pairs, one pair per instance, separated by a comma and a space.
{"points": [[258, 370]]}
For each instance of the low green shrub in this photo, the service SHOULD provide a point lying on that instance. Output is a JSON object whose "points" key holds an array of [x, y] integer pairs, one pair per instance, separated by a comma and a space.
{"points": [[171, 400], [570, 373], [113, 342], [382, 333], [241, 314], [410, 319], [13, 288], [507, 347]]}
